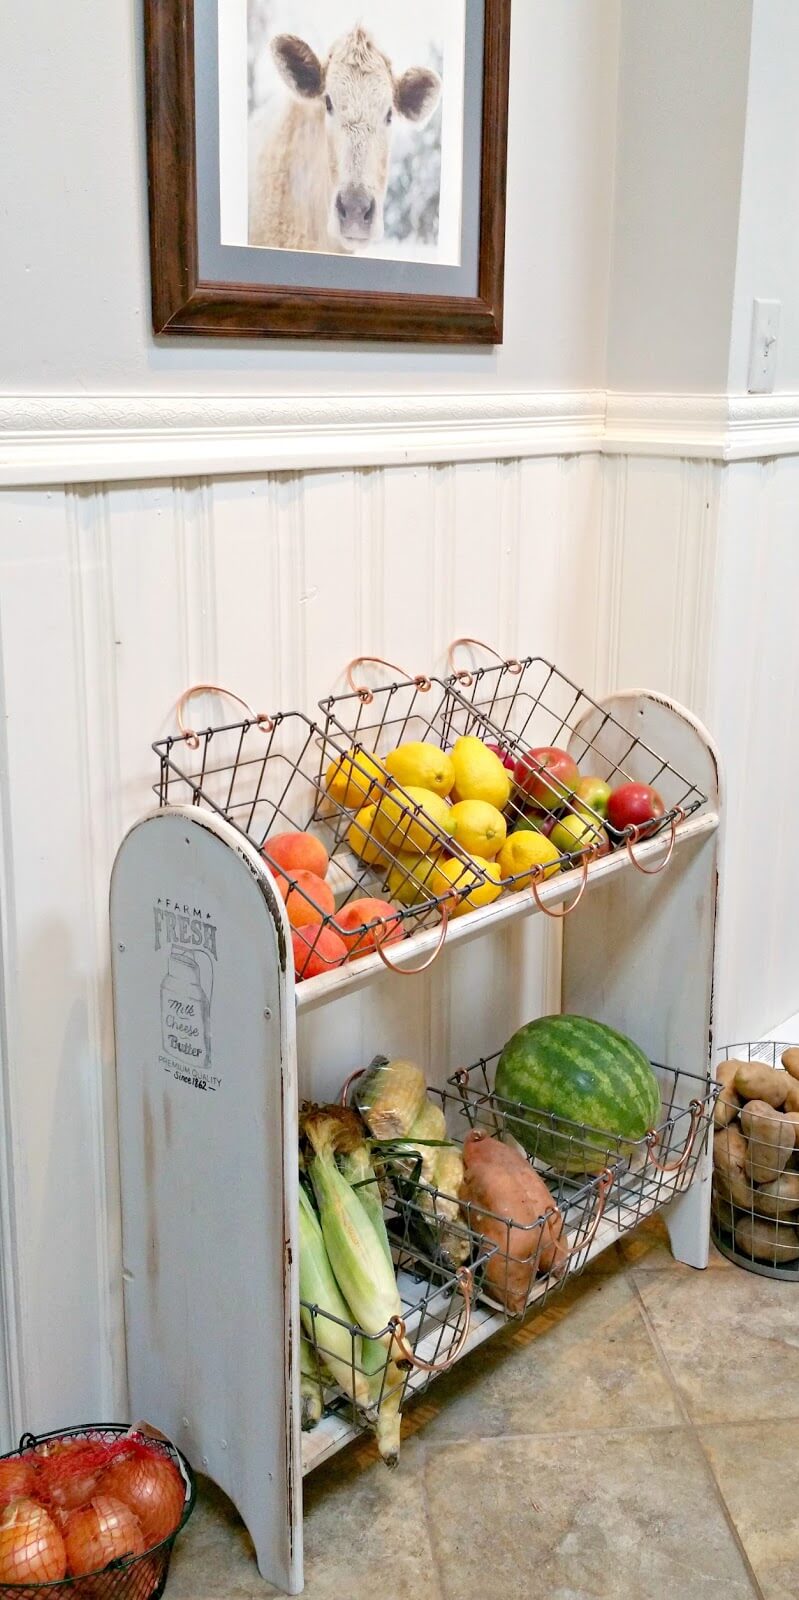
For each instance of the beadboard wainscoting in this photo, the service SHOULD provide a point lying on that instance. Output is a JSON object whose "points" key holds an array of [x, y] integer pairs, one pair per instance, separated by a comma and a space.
{"points": [[673, 570]]}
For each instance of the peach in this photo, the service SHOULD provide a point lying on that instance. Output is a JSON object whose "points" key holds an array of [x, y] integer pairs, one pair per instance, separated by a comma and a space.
{"points": [[350, 924], [316, 950], [307, 898], [296, 852]]}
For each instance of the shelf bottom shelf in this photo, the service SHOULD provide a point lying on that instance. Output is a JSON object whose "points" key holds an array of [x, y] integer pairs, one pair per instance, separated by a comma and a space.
{"points": [[334, 1431]]}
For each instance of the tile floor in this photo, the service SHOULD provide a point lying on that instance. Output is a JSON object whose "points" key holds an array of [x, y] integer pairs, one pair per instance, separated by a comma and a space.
{"points": [[639, 1438]]}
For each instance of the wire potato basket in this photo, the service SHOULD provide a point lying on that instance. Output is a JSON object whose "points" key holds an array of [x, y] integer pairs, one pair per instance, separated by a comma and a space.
{"points": [[131, 1577], [755, 1196], [633, 1177], [437, 1301]]}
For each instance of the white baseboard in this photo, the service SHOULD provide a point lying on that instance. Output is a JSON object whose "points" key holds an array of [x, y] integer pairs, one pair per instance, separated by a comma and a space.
{"points": [[61, 439]]}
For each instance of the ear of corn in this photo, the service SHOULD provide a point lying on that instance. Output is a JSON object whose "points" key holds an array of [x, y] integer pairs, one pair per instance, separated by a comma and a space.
{"points": [[448, 1179], [389, 1420], [357, 1168], [428, 1129], [356, 1255], [310, 1386], [390, 1098], [329, 1333]]}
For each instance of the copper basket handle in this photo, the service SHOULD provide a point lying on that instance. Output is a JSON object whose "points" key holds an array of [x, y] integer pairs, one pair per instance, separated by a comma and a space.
{"points": [[605, 1183], [424, 966], [465, 1282], [638, 832], [353, 1078], [192, 739], [539, 873], [466, 678], [671, 1168], [365, 695]]}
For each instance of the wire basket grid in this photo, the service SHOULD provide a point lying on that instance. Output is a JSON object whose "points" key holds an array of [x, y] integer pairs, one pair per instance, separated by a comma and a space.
{"points": [[131, 1577], [647, 1172], [755, 1194]]}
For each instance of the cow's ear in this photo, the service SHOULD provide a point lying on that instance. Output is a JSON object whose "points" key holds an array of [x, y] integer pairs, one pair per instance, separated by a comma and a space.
{"points": [[417, 93], [298, 66]]}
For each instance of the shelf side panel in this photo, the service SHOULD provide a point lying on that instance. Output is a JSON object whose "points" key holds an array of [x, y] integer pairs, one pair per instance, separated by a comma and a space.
{"points": [[207, 1124]]}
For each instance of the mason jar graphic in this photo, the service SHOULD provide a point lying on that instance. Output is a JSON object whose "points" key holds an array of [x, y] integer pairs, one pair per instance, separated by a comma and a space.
{"points": [[186, 1011]]}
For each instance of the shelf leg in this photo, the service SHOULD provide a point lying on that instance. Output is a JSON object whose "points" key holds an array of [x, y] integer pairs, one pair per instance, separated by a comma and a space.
{"points": [[688, 1220]]}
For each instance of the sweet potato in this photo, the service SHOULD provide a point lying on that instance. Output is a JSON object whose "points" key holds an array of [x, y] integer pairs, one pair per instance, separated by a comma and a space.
{"points": [[498, 1180], [756, 1081], [728, 1103], [780, 1197], [771, 1138], [767, 1241], [729, 1164]]}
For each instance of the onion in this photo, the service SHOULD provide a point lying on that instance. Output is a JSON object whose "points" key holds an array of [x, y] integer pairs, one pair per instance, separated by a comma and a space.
{"points": [[17, 1479], [31, 1547], [69, 1469], [151, 1485], [101, 1532]]}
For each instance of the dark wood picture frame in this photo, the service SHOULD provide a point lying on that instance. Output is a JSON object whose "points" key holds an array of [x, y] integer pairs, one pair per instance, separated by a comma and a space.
{"points": [[185, 304]]}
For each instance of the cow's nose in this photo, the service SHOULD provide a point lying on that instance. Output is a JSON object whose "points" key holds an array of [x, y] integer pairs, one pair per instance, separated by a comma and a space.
{"points": [[356, 209]]}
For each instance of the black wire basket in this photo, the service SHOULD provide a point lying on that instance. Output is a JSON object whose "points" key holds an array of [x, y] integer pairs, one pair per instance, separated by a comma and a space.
{"points": [[632, 1178], [131, 1577], [755, 1199]]}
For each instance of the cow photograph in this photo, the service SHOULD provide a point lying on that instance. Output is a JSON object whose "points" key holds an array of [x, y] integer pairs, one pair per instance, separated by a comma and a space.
{"points": [[348, 109]]}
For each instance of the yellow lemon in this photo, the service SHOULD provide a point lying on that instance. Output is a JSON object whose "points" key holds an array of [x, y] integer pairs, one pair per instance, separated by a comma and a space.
{"points": [[523, 851], [479, 774], [410, 881], [360, 841], [351, 779], [479, 828], [472, 888], [422, 766], [412, 819]]}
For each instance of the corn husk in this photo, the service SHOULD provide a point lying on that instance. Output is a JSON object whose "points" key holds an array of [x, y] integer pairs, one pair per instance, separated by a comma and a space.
{"points": [[358, 1257], [310, 1386], [333, 1343]]}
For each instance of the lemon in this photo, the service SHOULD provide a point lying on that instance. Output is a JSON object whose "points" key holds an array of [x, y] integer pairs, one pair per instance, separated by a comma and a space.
{"points": [[479, 774], [360, 841], [479, 828], [412, 819], [525, 850], [410, 881], [472, 888], [351, 779], [422, 766]]}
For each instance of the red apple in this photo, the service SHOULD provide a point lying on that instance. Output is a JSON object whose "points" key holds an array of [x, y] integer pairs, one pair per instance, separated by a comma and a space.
{"points": [[548, 777], [505, 756], [633, 805], [542, 822]]}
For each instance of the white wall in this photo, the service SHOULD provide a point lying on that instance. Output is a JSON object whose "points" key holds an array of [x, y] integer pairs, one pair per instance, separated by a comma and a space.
{"points": [[682, 110], [75, 313], [768, 247]]}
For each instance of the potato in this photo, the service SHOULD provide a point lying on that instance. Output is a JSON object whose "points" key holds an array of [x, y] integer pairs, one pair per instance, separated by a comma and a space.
{"points": [[791, 1101], [771, 1139], [729, 1163], [723, 1213], [728, 1103], [777, 1198], [790, 1061], [767, 1241], [755, 1081]]}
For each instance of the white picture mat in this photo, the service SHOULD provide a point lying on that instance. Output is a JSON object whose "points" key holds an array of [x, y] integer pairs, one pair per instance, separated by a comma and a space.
{"points": [[396, 22]]}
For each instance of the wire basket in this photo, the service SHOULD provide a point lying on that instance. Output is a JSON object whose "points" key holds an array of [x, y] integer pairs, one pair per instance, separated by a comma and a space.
{"points": [[130, 1578], [518, 707], [634, 1177], [268, 775], [755, 1199], [433, 1328]]}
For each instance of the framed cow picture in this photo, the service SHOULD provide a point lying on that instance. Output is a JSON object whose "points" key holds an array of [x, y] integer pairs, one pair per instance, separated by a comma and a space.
{"points": [[328, 169]]}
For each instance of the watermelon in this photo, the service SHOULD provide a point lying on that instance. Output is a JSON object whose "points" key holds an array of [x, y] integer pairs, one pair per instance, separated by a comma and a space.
{"points": [[584, 1072]]}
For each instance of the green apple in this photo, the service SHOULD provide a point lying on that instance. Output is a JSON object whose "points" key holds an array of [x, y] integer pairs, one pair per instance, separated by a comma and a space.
{"points": [[575, 834], [595, 794]]}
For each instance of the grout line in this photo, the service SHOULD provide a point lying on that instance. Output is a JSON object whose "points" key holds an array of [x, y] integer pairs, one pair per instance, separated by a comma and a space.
{"points": [[692, 1429], [438, 1571]]}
